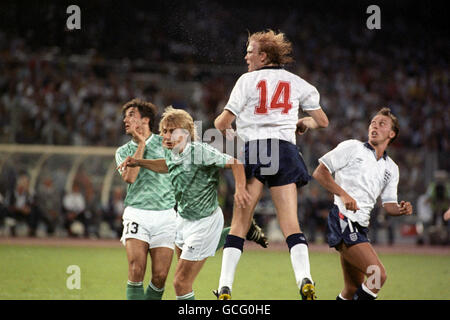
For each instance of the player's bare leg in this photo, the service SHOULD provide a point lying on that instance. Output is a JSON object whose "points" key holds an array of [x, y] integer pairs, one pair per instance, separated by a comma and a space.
{"points": [[184, 277], [363, 257], [137, 259], [244, 225], [137, 263], [352, 279], [161, 261], [285, 201], [234, 244], [242, 217]]}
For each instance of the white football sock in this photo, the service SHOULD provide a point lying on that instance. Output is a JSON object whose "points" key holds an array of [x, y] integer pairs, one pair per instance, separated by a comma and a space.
{"points": [[340, 296], [300, 263], [230, 260]]}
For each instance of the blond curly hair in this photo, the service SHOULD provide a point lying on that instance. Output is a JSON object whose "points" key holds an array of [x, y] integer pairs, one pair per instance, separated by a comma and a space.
{"points": [[275, 45], [178, 118]]}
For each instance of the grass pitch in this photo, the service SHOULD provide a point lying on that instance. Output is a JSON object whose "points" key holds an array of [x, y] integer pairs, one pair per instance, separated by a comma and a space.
{"points": [[40, 273]]}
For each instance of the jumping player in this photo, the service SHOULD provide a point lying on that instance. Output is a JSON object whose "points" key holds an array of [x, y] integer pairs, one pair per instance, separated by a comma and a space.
{"points": [[363, 172], [265, 104], [193, 169]]}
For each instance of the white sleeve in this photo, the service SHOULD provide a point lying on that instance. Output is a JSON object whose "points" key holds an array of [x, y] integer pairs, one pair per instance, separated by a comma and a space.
{"points": [[310, 99], [120, 157], [389, 193], [237, 97], [340, 156]]}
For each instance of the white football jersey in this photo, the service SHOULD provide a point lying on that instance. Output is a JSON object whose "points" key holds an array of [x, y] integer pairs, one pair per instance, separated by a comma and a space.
{"points": [[266, 103], [362, 176]]}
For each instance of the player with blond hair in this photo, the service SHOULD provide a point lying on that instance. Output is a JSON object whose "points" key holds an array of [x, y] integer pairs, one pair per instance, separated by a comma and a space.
{"points": [[193, 169], [265, 104]]}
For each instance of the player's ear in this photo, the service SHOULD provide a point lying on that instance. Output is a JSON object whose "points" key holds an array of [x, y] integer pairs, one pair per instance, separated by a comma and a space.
{"points": [[146, 120], [264, 57], [391, 134]]}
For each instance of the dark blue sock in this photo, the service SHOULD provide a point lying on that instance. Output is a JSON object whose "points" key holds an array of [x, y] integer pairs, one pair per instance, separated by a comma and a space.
{"points": [[234, 242], [360, 294], [294, 239]]}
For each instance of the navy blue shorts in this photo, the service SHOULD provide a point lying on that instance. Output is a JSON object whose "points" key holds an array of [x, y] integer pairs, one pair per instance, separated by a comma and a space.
{"points": [[340, 228], [276, 162]]}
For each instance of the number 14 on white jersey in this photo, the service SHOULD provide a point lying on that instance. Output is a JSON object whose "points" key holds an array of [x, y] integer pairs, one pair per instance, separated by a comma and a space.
{"points": [[266, 101]]}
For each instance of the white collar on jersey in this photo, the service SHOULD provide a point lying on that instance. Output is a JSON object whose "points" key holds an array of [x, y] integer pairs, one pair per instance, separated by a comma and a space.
{"points": [[368, 146]]}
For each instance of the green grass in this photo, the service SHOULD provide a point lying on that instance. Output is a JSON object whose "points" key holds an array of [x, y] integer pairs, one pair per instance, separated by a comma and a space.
{"points": [[34, 272]]}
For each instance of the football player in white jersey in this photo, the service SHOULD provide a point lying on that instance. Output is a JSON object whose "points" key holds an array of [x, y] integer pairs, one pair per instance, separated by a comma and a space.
{"points": [[265, 104], [363, 172]]}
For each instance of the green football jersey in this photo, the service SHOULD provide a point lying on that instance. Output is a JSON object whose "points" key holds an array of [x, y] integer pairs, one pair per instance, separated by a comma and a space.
{"points": [[151, 190], [194, 174]]}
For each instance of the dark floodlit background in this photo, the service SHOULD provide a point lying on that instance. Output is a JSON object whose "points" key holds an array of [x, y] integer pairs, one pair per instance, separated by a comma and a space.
{"points": [[61, 91]]}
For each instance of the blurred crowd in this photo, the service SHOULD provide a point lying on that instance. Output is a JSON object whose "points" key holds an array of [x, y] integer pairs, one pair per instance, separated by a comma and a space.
{"points": [[65, 87]]}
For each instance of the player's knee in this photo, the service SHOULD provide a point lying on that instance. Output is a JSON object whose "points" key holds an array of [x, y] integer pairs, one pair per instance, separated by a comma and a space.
{"points": [[136, 269], [180, 285], [382, 275], [376, 276], [159, 279]]}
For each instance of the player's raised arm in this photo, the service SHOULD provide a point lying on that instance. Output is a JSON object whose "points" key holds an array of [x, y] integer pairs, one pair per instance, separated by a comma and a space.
{"points": [[241, 196], [317, 119], [138, 127], [395, 209], [129, 174], [223, 123]]}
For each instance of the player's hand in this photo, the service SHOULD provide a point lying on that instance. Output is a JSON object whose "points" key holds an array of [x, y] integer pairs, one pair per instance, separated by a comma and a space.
{"points": [[241, 198], [350, 203], [230, 134], [301, 127], [447, 215], [405, 208], [123, 165], [136, 131], [129, 162]]}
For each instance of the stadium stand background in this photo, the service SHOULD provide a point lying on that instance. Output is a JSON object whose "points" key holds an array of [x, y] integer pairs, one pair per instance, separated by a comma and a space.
{"points": [[64, 88]]}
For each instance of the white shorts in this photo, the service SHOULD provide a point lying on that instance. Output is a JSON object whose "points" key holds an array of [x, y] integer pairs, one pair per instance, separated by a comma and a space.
{"points": [[157, 228], [198, 239]]}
